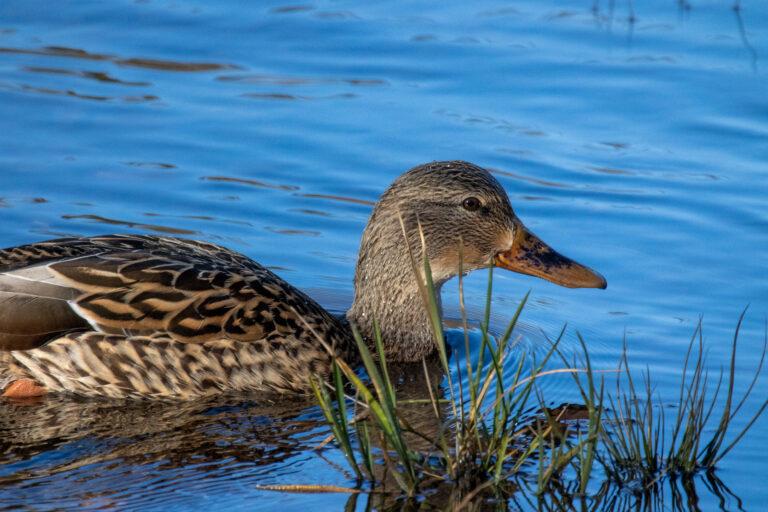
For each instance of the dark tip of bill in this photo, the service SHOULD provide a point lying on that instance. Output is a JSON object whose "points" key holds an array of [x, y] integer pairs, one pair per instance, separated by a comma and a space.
{"points": [[602, 283]]}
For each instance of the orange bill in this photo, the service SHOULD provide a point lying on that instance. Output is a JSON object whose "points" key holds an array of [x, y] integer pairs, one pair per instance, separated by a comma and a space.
{"points": [[529, 255]]}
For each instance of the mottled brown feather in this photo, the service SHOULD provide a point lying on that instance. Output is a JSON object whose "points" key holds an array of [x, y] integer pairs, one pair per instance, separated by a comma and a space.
{"points": [[148, 296]]}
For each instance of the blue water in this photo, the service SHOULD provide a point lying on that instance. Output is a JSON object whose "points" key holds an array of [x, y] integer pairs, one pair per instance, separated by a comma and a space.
{"points": [[633, 136]]}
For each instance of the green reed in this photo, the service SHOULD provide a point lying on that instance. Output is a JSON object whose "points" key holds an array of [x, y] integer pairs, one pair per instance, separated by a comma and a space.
{"points": [[635, 442], [481, 441], [487, 436]]}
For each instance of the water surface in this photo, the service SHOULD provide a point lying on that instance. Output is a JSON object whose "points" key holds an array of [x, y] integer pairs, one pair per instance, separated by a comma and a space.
{"points": [[634, 139]]}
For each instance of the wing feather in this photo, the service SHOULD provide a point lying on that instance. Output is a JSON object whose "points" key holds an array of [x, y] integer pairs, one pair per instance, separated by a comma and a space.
{"points": [[149, 286]]}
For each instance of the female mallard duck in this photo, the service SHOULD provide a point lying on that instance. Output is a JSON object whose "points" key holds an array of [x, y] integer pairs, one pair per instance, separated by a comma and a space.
{"points": [[146, 316]]}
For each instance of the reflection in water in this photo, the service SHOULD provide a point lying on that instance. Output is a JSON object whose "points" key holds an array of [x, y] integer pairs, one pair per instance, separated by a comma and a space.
{"points": [[606, 18], [292, 97], [92, 75], [287, 231], [743, 35], [134, 225], [156, 64], [530, 179], [151, 165], [202, 441], [274, 96], [209, 218], [342, 199], [169, 65], [536, 198], [74, 94], [57, 51], [251, 182], [52, 442], [292, 8], [295, 80], [307, 211], [674, 495], [611, 170], [493, 122], [671, 493]]}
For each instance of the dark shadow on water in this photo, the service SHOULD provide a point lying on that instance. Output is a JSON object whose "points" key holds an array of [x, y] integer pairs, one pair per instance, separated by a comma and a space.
{"points": [[137, 62]]}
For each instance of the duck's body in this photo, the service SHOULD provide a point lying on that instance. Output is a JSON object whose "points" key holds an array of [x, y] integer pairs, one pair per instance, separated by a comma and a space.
{"points": [[145, 316], [132, 315]]}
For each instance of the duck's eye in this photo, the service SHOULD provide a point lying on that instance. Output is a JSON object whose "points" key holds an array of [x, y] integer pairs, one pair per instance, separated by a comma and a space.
{"points": [[471, 204]]}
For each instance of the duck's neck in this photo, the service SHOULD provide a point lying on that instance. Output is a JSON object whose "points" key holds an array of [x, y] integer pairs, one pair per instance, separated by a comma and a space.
{"points": [[387, 290]]}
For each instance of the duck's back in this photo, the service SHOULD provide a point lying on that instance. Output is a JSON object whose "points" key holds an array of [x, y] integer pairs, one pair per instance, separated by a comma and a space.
{"points": [[143, 315]]}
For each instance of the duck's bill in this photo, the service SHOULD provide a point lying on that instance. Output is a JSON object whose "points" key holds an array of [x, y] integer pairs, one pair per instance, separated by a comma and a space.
{"points": [[529, 255]]}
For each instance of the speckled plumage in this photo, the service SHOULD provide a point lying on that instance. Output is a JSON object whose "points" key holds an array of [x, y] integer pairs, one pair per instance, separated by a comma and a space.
{"points": [[146, 316], [136, 315], [425, 200]]}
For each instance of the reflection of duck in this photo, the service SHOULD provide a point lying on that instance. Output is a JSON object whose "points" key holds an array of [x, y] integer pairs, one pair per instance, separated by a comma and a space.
{"points": [[206, 429], [144, 316], [94, 454]]}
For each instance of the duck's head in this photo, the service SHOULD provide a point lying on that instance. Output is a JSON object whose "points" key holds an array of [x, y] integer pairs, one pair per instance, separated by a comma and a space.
{"points": [[467, 222]]}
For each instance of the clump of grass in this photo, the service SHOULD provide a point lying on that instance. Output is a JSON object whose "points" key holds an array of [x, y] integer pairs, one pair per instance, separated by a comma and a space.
{"points": [[482, 440], [486, 434], [487, 438], [636, 446]]}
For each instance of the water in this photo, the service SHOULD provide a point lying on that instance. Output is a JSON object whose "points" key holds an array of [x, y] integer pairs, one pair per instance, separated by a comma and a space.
{"points": [[639, 148]]}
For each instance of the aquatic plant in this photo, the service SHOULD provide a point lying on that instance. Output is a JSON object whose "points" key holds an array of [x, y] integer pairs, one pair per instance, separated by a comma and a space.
{"points": [[497, 436], [635, 444], [485, 434]]}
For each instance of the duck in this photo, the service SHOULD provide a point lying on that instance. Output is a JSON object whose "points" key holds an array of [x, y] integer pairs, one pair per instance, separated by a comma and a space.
{"points": [[142, 316]]}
